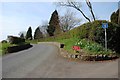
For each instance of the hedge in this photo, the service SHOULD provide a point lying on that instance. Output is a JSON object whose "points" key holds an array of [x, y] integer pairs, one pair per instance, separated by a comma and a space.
{"points": [[94, 32]]}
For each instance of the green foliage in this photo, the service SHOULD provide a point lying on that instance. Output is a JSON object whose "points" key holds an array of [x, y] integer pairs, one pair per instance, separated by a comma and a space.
{"points": [[87, 46], [3, 47], [38, 34], [114, 17], [29, 34], [54, 27], [33, 41], [68, 43], [22, 36], [15, 40], [51, 30], [90, 46], [3, 41], [91, 36], [94, 32]]}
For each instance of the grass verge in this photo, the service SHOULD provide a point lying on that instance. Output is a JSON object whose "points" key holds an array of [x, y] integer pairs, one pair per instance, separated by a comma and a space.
{"points": [[4, 46], [88, 47]]}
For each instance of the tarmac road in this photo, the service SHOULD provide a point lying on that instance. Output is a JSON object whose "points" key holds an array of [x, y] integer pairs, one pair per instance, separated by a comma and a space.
{"points": [[44, 61]]}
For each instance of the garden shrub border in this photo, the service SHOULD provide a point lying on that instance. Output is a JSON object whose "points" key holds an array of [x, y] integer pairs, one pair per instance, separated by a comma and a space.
{"points": [[18, 48]]}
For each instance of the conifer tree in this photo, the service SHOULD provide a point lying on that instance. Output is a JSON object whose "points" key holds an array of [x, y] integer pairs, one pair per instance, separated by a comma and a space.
{"points": [[38, 34], [114, 17], [29, 34], [54, 26], [22, 35]]}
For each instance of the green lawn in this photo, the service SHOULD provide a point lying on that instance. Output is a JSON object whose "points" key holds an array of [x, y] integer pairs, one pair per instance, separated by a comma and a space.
{"points": [[68, 44], [32, 41]]}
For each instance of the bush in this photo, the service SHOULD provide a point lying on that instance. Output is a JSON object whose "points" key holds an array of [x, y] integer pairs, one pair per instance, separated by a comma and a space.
{"points": [[93, 31], [3, 41], [92, 47], [4, 47], [15, 40], [17, 48]]}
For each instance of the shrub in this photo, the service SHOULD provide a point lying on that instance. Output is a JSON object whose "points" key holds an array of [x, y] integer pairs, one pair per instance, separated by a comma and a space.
{"points": [[15, 40], [3, 41], [4, 47], [93, 47], [94, 32]]}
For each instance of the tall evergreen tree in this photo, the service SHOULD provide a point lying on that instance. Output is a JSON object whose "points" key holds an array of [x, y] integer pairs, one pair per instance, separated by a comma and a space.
{"points": [[114, 17], [29, 34], [54, 26], [38, 34], [51, 30]]}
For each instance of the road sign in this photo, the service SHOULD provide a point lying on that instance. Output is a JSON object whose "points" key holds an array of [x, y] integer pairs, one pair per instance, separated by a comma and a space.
{"points": [[104, 25]]}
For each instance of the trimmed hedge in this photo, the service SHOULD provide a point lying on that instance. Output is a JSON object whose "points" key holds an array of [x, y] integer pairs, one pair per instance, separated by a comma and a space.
{"points": [[15, 40], [18, 48]]}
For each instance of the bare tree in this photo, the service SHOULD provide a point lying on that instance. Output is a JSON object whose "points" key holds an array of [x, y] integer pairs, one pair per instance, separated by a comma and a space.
{"points": [[75, 5], [69, 20], [90, 8]]}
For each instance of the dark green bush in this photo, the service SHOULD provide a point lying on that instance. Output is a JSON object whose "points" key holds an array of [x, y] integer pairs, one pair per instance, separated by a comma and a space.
{"points": [[94, 31], [15, 40], [3, 41]]}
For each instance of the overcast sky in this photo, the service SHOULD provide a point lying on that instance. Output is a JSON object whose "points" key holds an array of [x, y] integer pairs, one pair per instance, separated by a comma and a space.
{"points": [[18, 16]]}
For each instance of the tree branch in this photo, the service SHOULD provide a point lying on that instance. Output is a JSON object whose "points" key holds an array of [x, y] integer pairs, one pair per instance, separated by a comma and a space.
{"points": [[76, 6], [90, 8]]}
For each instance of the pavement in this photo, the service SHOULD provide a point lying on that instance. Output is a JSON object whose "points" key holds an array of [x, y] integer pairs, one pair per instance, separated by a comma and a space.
{"points": [[44, 61]]}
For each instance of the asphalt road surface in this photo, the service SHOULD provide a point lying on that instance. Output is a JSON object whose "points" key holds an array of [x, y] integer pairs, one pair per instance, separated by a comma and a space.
{"points": [[44, 61]]}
